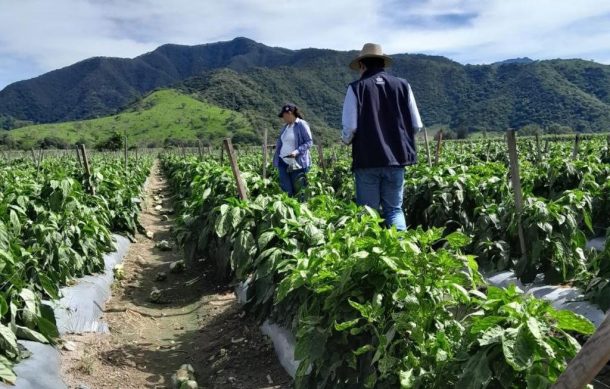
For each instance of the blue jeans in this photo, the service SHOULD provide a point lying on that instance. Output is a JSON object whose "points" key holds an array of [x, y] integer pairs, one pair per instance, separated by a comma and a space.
{"points": [[382, 188], [292, 182]]}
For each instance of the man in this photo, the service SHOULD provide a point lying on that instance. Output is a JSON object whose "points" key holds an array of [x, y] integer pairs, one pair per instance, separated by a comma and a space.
{"points": [[380, 120]]}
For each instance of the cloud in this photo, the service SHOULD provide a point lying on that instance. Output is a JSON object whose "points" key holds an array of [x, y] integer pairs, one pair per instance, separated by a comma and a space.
{"points": [[37, 36]]}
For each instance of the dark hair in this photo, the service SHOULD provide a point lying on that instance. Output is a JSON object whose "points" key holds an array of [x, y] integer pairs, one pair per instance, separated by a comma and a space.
{"points": [[373, 63], [297, 113]]}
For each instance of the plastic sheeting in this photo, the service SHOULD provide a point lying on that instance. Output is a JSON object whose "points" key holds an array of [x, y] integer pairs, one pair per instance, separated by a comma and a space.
{"points": [[80, 308], [597, 244], [283, 343], [560, 297], [39, 371], [283, 340]]}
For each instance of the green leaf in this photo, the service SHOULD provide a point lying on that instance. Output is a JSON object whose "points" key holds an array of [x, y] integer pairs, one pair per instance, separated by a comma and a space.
{"points": [[3, 305], [206, 193], [360, 254], [457, 240], [570, 321], [8, 341], [587, 220], [476, 373], [346, 324], [222, 225], [30, 300], [461, 291], [6, 371], [484, 323], [534, 327], [49, 286], [26, 333], [518, 348], [265, 238], [46, 322], [406, 379], [390, 262], [537, 381], [236, 217], [490, 336], [15, 224], [363, 350]]}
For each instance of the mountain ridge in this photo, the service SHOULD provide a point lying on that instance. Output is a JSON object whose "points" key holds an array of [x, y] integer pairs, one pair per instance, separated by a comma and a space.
{"points": [[570, 93]]}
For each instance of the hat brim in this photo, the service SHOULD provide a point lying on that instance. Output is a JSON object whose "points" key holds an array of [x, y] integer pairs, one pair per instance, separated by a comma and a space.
{"points": [[387, 61]]}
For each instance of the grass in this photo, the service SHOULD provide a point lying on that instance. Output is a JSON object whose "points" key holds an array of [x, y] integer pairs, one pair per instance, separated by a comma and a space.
{"points": [[161, 115]]}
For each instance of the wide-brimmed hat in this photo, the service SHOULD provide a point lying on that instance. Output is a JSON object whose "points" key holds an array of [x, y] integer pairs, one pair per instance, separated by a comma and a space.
{"points": [[370, 50]]}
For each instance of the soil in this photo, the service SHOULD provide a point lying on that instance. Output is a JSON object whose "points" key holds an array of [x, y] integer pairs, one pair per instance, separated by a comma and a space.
{"points": [[197, 322]]}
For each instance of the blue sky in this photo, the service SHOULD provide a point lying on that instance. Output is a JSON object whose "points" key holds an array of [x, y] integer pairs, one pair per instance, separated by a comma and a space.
{"points": [[37, 36]]}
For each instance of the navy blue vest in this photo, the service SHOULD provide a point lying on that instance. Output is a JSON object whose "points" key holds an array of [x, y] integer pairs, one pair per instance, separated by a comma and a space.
{"points": [[385, 135]]}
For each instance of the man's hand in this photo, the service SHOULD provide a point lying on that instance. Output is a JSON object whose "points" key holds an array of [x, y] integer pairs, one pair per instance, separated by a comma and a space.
{"points": [[293, 154]]}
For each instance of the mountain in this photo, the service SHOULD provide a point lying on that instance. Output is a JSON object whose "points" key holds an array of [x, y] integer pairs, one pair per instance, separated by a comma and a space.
{"points": [[160, 118], [254, 80], [521, 60]]}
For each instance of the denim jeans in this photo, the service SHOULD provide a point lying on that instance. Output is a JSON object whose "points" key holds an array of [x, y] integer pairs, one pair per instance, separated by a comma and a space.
{"points": [[292, 182], [382, 189]]}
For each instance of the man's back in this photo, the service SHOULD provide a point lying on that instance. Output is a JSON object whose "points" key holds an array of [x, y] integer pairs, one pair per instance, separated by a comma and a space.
{"points": [[385, 135]]}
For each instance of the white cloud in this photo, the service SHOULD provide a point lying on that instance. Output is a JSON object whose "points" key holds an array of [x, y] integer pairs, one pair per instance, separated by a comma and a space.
{"points": [[40, 35]]}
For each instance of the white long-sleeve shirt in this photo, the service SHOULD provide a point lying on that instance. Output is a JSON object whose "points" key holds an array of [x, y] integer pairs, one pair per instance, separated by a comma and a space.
{"points": [[350, 115]]}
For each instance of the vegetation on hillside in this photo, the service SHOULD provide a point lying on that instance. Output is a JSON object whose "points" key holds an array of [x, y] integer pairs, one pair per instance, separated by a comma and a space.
{"points": [[165, 117], [252, 78]]}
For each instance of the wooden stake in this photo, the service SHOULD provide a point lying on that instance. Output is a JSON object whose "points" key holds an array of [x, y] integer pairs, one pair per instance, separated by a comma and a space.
{"points": [[538, 150], [576, 144], [241, 187], [591, 358], [200, 149], [125, 148], [427, 146], [87, 169], [265, 154], [321, 158], [80, 163], [439, 144], [516, 182]]}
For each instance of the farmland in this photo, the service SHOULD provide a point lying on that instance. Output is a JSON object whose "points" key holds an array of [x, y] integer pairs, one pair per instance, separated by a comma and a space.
{"points": [[368, 306], [53, 230], [373, 307]]}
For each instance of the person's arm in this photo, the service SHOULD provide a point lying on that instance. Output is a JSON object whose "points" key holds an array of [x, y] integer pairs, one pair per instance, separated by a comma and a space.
{"points": [[349, 118], [308, 140], [415, 118]]}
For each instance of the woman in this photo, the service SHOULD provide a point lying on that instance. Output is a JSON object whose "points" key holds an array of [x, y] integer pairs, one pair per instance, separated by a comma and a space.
{"points": [[292, 150]]}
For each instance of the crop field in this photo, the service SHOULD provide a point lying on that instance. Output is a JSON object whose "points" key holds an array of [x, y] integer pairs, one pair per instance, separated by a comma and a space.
{"points": [[372, 307], [53, 230], [368, 306]]}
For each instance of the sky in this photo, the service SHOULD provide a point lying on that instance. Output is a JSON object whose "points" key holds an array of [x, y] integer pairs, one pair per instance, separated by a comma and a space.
{"points": [[37, 36]]}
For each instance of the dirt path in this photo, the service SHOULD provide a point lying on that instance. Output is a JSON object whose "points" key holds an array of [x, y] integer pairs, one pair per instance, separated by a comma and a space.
{"points": [[197, 322]]}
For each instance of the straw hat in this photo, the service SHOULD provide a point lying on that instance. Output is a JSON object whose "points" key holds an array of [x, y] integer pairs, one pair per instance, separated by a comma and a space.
{"points": [[370, 50]]}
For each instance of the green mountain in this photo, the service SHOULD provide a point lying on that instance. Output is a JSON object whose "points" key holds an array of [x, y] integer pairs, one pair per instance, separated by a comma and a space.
{"points": [[254, 80], [161, 117]]}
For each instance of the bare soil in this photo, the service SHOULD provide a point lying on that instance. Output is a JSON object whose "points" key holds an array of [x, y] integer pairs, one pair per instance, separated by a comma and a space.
{"points": [[197, 321]]}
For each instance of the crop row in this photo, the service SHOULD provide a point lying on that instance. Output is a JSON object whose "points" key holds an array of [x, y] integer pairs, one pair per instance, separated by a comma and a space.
{"points": [[52, 230], [369, 306]]}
